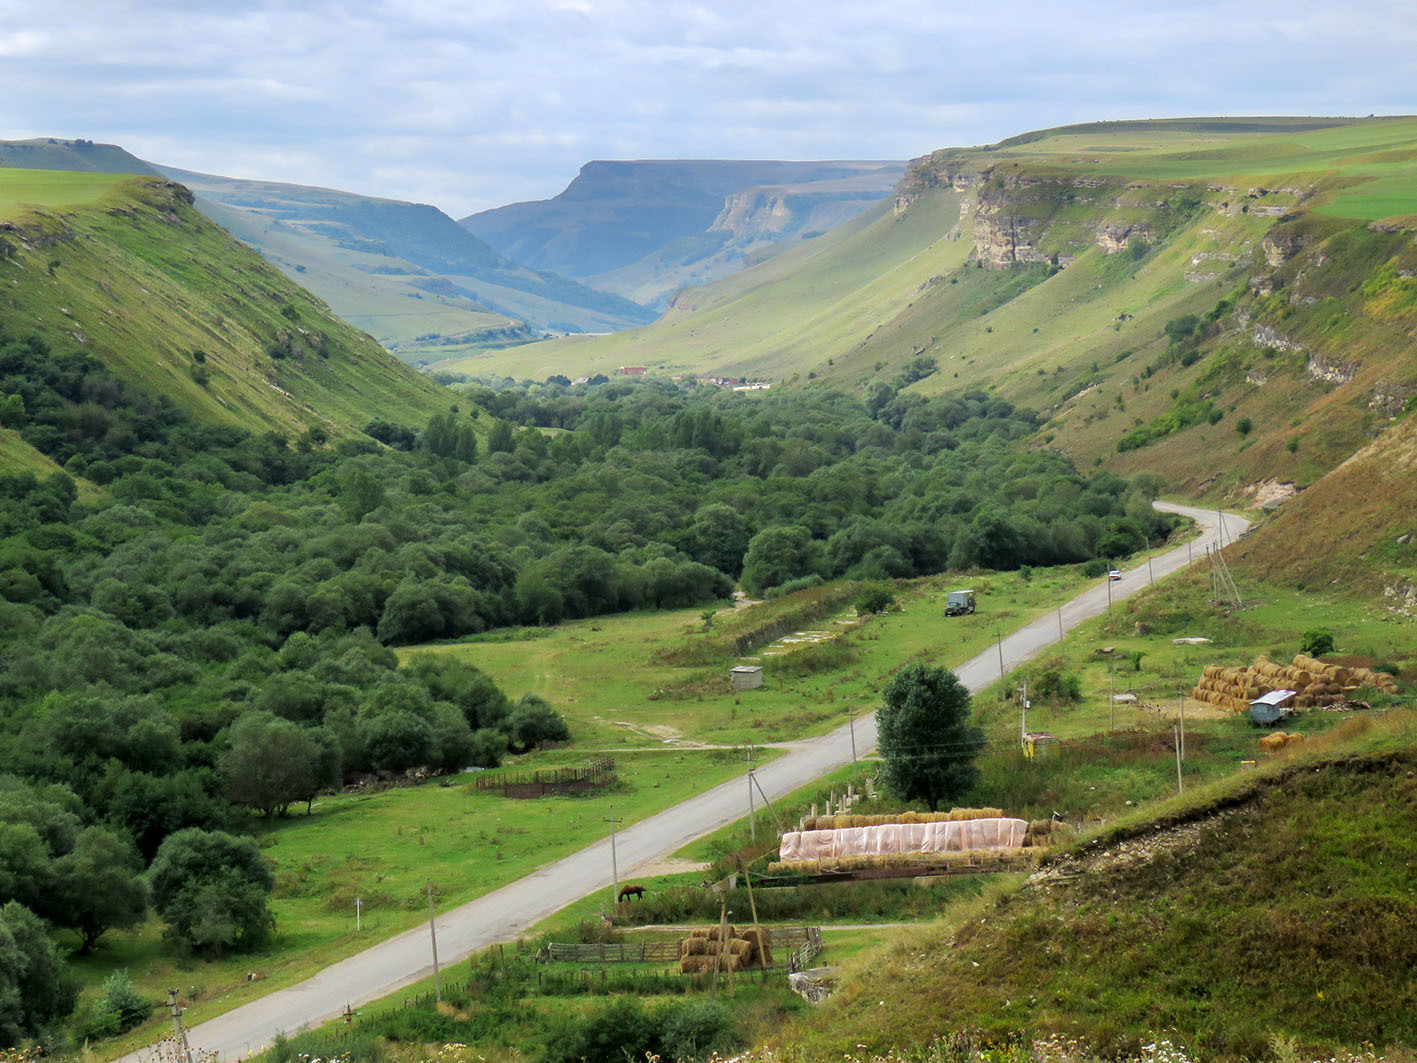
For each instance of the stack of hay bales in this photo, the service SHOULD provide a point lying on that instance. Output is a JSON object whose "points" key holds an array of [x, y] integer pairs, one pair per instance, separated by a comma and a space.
{"points": [[1315, 683], [973, 858], [1045, 832], [724, 949], [1277, 740]]}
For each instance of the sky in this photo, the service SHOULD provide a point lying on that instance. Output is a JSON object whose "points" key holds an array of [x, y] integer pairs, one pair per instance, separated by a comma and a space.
{"points": [[476, 104]]}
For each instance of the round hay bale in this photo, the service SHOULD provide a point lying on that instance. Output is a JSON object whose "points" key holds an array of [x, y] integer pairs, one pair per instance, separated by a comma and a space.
{"points": [[694, 947], [697, 964], [703, 931]]}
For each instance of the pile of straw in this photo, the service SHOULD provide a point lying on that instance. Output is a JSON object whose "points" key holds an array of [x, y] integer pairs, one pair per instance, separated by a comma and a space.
{"points": [[953, 815], [990, 858], [1315, 683], [711, 948]]}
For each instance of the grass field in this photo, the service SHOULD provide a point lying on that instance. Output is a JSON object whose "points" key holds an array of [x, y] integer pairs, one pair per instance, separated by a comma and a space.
{"points": [[603, 674], [384, 848], [50, 188]]}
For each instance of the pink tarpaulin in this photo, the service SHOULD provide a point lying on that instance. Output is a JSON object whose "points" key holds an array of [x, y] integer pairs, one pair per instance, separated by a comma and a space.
{"points": [[954, 836]]}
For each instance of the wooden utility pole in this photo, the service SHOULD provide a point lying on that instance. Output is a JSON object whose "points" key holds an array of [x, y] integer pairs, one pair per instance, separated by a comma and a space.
{"points": [[358, 914], [999, 642], [1111, 698], [614, 865], [1176, 737], [433, 939], [752, 812], [851, 724], [179, 1030], [1183, 723]]}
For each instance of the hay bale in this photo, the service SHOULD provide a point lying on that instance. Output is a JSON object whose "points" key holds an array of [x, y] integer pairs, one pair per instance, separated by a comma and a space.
{"points": [[693, 946], [760, 947], [697, 964], [703, 931]]}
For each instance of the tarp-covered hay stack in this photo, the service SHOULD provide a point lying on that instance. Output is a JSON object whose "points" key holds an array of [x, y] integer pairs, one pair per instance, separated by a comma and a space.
{"points": [[967, 837], [724, 949], [1315, 683]]}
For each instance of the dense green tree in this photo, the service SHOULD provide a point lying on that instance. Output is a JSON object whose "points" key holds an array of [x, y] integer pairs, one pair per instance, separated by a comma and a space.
{"points": [[924, 735], [778, 554], [211, 888], [97, 886], [271, 763], [35, 989], [532, 722]]}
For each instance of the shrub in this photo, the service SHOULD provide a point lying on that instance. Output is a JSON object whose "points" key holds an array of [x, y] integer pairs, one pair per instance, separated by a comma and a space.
{"points": [[1244, 426], [874, 598], [1316, 642], [1094, 568]]}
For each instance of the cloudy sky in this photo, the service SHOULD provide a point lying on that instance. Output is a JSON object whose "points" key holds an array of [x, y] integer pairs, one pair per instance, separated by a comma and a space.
{"points": [[474, 104]]}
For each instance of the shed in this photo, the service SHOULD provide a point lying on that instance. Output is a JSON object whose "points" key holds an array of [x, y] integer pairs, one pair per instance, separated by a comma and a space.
{"points": [[1272, 707], [1039, 744], [746, 676]]}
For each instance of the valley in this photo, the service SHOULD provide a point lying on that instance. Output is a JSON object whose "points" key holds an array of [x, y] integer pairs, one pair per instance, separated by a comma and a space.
{"points": [[270, 594]]}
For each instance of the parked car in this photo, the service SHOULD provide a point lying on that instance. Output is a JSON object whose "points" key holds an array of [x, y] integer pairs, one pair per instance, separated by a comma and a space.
{"points": [[1115, 574]]}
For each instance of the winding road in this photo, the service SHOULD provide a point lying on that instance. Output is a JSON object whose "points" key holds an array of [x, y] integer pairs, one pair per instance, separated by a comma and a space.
{"points": [[503, 915]]}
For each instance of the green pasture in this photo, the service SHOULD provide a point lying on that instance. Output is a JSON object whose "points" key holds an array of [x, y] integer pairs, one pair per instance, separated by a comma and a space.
{"points": [[384, 848], [52, 188], [604, 674]]}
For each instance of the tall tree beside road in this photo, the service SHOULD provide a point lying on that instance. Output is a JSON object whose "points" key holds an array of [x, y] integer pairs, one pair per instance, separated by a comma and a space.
{"points": [[925, 737]]}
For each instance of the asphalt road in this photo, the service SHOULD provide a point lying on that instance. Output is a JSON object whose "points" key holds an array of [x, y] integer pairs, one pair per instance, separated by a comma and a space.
{"points": [[503, 915]]}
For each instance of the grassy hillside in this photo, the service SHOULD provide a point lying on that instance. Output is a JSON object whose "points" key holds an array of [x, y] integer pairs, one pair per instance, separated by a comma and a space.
{"points": [[126, 269], [1230, 301], [405, 272], [1274, 903], [52, 153]]}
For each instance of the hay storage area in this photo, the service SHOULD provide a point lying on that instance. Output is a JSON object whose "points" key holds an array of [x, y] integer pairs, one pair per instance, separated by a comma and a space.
{"points": [[1315, 683]]}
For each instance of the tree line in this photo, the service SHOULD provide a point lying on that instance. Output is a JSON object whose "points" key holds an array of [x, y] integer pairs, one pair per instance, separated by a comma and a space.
{"points": [[209, 632]]}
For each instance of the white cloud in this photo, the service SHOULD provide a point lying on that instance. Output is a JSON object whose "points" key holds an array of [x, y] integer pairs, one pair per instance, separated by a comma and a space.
{"points": [[472, 105]]}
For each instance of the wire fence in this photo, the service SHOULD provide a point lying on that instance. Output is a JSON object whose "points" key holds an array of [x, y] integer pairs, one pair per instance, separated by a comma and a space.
{"points": [[594, 775]]}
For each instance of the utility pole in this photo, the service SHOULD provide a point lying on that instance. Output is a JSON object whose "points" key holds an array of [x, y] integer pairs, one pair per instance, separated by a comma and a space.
{"points": [[1060, 625], [1183, 722], [999, 641], [752, 812], [1111, 698], [358, 914], [1109, 587], [433, 939], [1023, 714], [1176, 737], [179, 1031], [1151, 576], [851, 724], [1188, 553], [614, 866]]}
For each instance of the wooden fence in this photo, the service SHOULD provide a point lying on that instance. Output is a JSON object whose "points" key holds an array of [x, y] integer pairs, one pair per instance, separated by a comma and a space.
{"points": [[796, 938], [805, 953], [598, 773]]}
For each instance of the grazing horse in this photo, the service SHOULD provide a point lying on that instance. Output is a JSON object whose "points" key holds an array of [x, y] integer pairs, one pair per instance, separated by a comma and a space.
{"points": [[632, 891]]}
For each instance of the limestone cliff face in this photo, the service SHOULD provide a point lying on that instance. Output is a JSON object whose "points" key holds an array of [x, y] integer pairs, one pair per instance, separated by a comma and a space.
{"points": [[756, 211]]}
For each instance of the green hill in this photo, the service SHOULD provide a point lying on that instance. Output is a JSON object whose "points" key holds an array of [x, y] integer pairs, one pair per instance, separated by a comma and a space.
{"points": [[51, 153], [1272, 905], [1228, 300], [126, 269]]}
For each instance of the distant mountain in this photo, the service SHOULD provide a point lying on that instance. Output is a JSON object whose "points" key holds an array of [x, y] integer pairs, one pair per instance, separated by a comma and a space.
{"points": [[645, 229], [405, 272]]}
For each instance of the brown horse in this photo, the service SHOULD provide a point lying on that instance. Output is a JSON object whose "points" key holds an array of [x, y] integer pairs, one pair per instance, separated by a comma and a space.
{"points": [[637, 892]]}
